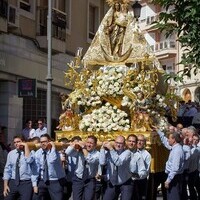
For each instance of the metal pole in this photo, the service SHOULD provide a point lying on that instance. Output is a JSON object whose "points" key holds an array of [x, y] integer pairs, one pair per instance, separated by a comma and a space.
{"points": [[49, 77]]}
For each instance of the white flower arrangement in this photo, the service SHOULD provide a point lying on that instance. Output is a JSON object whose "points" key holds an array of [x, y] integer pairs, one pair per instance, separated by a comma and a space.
{"points": [[160, 102], [107, 118], [126, 101], [110, 82], [161, 122], [91, 100]]}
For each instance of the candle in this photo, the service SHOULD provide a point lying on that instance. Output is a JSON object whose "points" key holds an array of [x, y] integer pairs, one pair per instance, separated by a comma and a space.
{"points": [[72, 63], [79, 52]]}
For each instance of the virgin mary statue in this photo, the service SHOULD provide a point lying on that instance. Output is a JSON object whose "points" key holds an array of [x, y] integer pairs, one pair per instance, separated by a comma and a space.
{"points": [[118, 40]]}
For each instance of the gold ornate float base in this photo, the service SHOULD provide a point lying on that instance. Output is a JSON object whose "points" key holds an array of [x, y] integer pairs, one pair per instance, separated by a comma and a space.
{"points": [[157, 150]]}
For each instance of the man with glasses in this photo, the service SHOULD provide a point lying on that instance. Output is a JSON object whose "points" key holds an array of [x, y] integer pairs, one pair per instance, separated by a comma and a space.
{"points": [[116, 160], [41, 130], [50, 174], [17, 172]]}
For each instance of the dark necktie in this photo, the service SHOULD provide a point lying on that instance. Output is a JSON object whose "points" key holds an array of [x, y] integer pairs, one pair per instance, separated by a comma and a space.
{"points": [[45, 172], [17, 174], [114, 178], [86, 171]]}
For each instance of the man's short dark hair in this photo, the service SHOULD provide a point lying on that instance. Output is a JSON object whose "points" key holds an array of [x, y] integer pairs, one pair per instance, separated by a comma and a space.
{"points": [[64, 140], [21, 137], [132, 135], [93, 138], [46, 135], [76, 138], [177, 137], [41, 119]]}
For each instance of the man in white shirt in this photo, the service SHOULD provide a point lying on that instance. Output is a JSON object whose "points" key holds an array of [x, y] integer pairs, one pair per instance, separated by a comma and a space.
{"points": [[28, 132], [142, 184], [41, 130], [137, 165], [193, 172], [118, 176], [87, 162]]}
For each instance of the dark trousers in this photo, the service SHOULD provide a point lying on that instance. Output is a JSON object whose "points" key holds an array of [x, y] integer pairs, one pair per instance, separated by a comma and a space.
{"points": [[141, 188], [1, 186], [112, 192], [175, 188], [53, 190], [184, 194], [24, 190], [155, 179], [193, 177], [68, 192], [83, 189], [197, 185]]}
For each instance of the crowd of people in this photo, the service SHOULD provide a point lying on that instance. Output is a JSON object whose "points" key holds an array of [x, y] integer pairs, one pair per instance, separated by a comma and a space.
{"points": [[111, 170], [189, 114], [29, 132]]}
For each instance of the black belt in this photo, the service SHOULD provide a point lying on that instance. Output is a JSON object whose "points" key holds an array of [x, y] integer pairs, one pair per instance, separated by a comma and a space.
{"points": [[48, 180], [22, 180]]}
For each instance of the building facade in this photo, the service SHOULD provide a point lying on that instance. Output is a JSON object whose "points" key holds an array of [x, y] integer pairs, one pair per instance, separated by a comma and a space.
{"points": [[168, 51], [23, 53]]}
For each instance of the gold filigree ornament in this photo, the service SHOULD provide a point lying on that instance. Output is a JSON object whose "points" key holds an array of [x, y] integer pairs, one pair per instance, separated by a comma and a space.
{"points": [[71, 75], [112, 2], [115, 101]]}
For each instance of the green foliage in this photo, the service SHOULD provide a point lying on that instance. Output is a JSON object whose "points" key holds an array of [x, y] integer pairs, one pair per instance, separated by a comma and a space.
{"points": [[182, 17]]}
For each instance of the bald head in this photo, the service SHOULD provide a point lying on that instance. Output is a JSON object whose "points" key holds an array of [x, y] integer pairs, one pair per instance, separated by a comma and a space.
{"points": [[120, 142]]}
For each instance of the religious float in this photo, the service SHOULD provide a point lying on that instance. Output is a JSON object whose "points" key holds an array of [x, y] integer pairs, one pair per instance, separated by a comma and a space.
{"points": [[117, 87]]}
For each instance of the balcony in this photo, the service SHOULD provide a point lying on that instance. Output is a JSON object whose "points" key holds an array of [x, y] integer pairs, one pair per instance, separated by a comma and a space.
{"points": [[58, 30], [165, 48], [146, 24]]}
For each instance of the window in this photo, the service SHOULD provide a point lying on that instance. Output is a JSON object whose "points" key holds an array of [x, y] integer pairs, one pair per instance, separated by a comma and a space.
{"points": [[34, 108], [172, 44], [59, 4], [3, 8], [153, 47], [164, 67], [170, 69], [12, 15], [43, 21], [25, 5], [93, 20], [68, 14], [27, 8], [59, 19]]}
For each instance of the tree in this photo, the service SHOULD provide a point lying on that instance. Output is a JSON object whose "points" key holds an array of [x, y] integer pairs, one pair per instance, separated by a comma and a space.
{"points": [[183, 18]]}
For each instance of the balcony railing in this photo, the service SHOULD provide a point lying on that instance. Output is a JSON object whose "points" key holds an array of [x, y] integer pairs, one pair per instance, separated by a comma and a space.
{"points": [[164, 45], [58, 23], [59, 18]]}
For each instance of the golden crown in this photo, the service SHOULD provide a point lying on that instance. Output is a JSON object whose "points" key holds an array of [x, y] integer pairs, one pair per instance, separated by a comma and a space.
{"points": [[111, 2]]}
